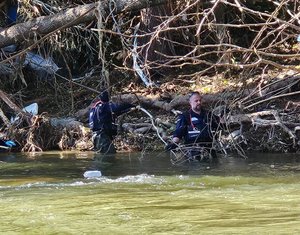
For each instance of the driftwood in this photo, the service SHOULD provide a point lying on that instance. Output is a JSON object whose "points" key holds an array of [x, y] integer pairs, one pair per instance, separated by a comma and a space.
{"points": [[71, 128], [48, 24], [50, 133], [12, 105], [44, 133], [65, 123], [4, 118], [139, 128], [156, 102], [256, 120], [9, 102]]}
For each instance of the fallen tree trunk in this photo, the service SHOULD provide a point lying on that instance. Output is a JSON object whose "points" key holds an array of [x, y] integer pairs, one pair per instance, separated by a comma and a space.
{"points": [[47, 24], [8, 101]]}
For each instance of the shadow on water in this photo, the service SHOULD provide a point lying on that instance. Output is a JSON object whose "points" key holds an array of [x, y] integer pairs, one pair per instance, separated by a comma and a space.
{"points": [[46, 164], [63, 165], [158, 164]]}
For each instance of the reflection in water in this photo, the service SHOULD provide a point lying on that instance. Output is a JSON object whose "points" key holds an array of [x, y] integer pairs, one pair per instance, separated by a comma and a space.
{"points": [[46, 193]]}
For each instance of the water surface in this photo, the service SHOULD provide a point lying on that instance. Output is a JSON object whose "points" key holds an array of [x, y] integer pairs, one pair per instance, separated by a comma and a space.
{"points": [[145, 194]]}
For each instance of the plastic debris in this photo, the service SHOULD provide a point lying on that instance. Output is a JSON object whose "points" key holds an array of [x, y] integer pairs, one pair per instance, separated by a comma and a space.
{"points": [[32, 109], [92, 174], [38, 63]]}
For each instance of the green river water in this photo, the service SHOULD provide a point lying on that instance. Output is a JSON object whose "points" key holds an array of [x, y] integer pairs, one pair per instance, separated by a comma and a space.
{"points": [[46, 193]]}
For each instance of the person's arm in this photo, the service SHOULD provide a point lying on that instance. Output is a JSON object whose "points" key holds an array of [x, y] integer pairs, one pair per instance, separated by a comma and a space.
{"points": [[181, 128], [179, 133], [119, 109]]}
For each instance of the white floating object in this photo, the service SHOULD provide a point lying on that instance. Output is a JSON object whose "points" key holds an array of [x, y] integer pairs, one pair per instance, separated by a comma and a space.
{"points": [[92, 174]]}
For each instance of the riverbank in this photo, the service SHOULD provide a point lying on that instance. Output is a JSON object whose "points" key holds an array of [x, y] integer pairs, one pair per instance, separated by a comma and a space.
{"points": [[262, 113]]}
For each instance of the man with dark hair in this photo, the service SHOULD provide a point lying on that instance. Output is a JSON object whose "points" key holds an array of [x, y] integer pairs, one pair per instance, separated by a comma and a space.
{"points": [[101, 121], [195, 125]]}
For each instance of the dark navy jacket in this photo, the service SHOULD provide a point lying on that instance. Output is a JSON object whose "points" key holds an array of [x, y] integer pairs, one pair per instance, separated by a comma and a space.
{"points": [[102, 115], [195, 128]]}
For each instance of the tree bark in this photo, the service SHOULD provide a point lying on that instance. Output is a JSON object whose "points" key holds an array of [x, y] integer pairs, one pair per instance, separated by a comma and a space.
{"points": [[46, 24], [8, 101]]}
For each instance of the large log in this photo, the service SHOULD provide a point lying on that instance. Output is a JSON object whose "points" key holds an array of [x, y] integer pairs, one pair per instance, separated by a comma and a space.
{"points": [[46, 24], [10, 103]]}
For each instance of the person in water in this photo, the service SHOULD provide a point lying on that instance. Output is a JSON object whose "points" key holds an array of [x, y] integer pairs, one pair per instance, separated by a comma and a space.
{"points": [[195, 126], [101, 121]]}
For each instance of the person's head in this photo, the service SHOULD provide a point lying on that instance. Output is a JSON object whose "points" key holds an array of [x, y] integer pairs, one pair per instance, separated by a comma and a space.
{"points": [[195, 100], [104, 97]]}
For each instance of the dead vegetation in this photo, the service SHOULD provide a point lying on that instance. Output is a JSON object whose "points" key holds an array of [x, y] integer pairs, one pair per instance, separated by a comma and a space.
{"points": [[242, 55]]}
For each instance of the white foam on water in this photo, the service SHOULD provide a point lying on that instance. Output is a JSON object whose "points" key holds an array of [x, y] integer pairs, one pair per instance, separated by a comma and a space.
{"points": [[93, 178]]}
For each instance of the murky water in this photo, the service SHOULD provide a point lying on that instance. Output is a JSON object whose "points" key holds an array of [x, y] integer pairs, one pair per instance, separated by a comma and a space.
{"points": [[47, 194]]}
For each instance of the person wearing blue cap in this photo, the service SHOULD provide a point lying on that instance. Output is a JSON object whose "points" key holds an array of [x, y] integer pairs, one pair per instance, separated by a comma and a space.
{"points": [[101, 121]]}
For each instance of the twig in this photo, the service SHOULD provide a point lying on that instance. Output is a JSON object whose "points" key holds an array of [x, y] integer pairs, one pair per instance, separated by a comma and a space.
{"points": [[153, 124], [272, 98]]}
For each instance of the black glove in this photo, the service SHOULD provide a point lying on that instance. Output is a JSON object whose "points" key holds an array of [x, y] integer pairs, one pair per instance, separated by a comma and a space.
{"points": [[170, 146]]}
